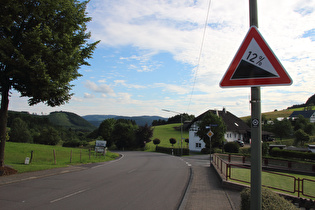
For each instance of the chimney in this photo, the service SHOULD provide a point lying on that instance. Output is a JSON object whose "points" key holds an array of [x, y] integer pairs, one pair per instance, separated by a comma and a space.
{"points": [[224, 110]]}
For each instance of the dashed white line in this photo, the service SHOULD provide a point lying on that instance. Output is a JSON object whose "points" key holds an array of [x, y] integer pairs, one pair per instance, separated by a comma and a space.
{"points": [[67, 196]]}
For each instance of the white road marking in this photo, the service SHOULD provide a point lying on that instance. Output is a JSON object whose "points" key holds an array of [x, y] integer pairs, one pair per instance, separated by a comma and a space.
{"points": [[67, 196]]}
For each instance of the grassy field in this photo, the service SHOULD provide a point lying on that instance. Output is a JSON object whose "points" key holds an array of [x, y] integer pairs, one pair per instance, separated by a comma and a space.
{"points": [[43, 156], [279, 180], [164, 133], [275, 114]]}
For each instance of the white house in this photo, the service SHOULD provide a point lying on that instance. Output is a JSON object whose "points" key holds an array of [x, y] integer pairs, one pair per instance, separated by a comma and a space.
{"points": [[307, 114], [237, 129]]}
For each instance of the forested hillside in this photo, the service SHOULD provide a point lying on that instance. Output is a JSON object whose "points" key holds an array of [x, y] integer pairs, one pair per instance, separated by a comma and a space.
{"points": [[96, 120], [70, 120], [55, 128]]}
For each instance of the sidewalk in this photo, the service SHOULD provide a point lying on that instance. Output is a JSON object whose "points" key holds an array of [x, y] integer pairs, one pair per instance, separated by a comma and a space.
{"points": [[205, 190]]}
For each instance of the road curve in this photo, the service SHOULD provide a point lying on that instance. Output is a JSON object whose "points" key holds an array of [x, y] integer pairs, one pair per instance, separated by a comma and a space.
{"points": [[139, 180]]}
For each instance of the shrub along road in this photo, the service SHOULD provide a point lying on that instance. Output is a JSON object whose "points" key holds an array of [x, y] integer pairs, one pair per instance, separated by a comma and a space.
{"points": [[139, 180]]}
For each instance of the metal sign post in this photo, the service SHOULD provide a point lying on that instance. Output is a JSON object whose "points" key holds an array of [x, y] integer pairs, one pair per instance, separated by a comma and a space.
{"points": [[210, 134], [256, 154], [255, 65]]}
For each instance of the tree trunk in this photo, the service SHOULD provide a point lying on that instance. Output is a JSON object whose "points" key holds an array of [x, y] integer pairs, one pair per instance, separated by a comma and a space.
{"points": [[3, 121]]}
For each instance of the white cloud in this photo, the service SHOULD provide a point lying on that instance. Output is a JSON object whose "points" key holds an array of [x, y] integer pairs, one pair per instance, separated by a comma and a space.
{"points": [[172, 88], [88, 95], [102, 88], [123, 83]]}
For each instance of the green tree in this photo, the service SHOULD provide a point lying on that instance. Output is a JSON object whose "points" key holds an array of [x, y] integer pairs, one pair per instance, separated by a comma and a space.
{"points": [[309, 128], [19, 131], [42, 45], [219, 130], [301, 137], [282, 128], [156, 142], [124, 135], [48, 136], [300, 123], [143, 135], [105, 130], [180, 117], [172, 141]]}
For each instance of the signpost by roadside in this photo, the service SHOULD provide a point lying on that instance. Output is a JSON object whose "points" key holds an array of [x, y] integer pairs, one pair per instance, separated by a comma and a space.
{"points": [[255, 65], [210, 134], [100, 147]]}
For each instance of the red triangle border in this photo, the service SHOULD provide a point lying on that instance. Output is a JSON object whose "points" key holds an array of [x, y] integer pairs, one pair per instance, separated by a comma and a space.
{"points": [[283, 79]]}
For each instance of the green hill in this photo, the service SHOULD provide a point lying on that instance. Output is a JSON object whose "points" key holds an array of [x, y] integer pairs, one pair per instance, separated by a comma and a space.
{"points": [[275, 114], [164, 133], [70, 120]]}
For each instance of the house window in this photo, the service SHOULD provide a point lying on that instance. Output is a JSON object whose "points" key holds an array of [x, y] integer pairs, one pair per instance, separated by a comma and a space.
{"points": [[195, 134], [198, 145]]}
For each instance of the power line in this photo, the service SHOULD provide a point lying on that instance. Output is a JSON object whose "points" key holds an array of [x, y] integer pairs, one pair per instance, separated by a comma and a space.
{"points": [[200, 53]]}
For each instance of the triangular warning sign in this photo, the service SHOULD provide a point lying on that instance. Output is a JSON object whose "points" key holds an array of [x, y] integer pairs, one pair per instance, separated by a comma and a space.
{"points": [[255, 65]]}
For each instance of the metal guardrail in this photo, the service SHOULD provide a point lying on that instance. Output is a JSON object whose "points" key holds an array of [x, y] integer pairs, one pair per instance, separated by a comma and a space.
{"points": [[296, 185]]}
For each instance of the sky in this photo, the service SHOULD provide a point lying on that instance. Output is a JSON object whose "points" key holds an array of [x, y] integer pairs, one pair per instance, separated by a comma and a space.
{"points": [[172, 54]]}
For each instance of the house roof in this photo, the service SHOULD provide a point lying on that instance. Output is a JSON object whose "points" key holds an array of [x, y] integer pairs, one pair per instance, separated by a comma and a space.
{"points": [[306, 114], [232, 122]]}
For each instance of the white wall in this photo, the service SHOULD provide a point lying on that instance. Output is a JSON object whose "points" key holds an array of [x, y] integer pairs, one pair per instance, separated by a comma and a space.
{"points": [[232, 136], [195, 144]]}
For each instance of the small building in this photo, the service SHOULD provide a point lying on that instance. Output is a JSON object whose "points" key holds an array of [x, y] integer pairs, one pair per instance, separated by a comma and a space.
{"points": [[307, 114], [236, 129]]}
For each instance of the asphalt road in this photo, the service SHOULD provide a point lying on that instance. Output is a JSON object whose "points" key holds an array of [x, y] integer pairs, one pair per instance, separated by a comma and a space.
{"points": [[139, 180]]}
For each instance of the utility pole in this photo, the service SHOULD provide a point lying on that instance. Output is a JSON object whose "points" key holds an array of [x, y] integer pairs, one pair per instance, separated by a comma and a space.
{"points": [[256, 154]]}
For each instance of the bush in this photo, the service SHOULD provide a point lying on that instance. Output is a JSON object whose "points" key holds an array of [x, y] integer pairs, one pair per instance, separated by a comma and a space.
{"points": [[270, 200], [306, 156], [172, 141], [301, 137], [71, 143], [245, 151], [232, 147], [217, 150], [156, 141]]}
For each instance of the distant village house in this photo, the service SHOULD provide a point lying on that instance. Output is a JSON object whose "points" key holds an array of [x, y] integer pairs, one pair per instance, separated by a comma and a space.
{"points": [[237, 129], [306, 114]]}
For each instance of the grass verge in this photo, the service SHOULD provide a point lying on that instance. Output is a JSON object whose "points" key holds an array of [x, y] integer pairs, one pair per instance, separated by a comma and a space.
{"points": [[284, 181], [44, 158]]}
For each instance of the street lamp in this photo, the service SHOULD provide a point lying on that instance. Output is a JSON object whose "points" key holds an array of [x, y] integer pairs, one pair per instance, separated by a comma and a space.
{"points": [[181, 129]]}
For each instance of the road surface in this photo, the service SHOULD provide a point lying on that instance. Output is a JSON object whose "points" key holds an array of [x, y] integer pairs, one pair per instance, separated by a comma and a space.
{"points": [[139, 180]]}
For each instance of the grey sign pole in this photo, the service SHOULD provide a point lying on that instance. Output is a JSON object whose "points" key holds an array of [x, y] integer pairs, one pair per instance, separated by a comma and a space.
{"points": [[256, 156]]}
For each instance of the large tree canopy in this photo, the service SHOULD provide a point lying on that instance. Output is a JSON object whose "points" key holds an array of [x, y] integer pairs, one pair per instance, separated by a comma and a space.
{"points": [[217, 127], [42, 45]]}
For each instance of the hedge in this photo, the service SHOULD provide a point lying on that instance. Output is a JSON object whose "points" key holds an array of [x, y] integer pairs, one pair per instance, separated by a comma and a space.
{"points": [[305, 156], [176, 151], [270, 200]]}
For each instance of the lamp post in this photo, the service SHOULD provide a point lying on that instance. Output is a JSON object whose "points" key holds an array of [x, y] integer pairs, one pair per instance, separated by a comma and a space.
{"points": [[181, 129]]}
